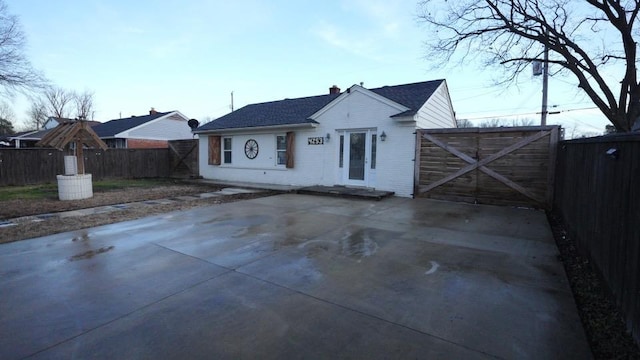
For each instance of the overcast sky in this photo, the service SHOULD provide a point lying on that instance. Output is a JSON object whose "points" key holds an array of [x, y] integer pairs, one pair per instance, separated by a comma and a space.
{"points": [[190, 55]]}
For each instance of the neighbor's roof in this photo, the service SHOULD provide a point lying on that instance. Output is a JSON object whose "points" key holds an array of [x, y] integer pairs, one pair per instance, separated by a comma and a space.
{"points": [[297, 111], [38, 134], [31, 135], [65, 120], [116, 126]]}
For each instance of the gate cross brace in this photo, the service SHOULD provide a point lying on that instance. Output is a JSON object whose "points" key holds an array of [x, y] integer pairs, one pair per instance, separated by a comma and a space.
{"points": [[182, 157], [475, 164]]}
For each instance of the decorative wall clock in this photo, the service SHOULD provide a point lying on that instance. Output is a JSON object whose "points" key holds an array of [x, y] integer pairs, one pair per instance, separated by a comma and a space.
{"points": [[251, 148]]}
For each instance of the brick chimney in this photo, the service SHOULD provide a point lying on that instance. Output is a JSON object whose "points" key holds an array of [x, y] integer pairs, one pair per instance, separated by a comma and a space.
{"points": [[334, 90], [152, 111]]}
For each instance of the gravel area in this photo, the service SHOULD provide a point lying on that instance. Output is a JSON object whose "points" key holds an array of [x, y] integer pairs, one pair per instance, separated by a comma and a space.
{"points": [[603, 324]]}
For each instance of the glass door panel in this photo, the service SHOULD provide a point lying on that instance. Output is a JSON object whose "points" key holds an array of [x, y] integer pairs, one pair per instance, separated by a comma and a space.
{"points": [[357, 155]]}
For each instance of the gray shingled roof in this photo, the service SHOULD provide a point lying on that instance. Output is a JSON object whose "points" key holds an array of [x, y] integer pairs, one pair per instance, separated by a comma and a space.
{"points": [[412, 96], [297, 111], [274, 113], [113, 127]]}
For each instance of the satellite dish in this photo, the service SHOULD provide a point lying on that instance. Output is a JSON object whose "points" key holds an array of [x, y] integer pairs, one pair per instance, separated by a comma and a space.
{"points": [[193, 124]]}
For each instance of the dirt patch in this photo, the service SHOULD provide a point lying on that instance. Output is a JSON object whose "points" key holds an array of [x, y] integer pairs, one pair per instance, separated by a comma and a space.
{"points": [[603, 324], [54, 225], [16, 208]]}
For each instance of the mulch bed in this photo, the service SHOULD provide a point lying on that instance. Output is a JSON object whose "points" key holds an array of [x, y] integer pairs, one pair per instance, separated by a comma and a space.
{"points": [[603, 323]]}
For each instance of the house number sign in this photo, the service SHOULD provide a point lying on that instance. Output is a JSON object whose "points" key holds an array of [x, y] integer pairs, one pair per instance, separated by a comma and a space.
{"points": [[316, 140]]}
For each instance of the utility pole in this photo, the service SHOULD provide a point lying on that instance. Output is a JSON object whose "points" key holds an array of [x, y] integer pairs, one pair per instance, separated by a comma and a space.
{"points": [[232, 101], [545, 85]]}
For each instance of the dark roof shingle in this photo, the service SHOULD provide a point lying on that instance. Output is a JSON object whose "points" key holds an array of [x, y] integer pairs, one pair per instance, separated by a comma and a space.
{"points": [[297, 111], [412, 96], [274, 113]]}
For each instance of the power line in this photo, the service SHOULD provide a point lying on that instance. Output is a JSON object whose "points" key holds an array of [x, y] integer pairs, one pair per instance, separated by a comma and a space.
{"points": [[528, 113]]}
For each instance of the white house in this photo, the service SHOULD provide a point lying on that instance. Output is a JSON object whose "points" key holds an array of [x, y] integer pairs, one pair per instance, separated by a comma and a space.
{"points": [[145, 131], [360, 137]]}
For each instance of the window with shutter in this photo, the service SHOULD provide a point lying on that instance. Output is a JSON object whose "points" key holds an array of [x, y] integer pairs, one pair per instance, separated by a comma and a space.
{"points": [[290, 146], [214, 150]]}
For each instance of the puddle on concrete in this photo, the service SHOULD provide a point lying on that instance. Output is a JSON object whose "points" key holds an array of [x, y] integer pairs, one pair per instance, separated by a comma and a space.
{"points": [[358, 244], [240, 221], [91, 253], [84, 237]]}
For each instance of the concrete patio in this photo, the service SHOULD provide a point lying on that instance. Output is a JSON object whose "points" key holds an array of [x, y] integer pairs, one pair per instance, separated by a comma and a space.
{"points": [[294, 276]]}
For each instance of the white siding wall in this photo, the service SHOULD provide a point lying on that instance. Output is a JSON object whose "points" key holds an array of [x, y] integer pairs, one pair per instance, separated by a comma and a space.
{"points": [[50, 124], [173, 127], [310, 166], [437, 112], [394, 165], [318, 164]]}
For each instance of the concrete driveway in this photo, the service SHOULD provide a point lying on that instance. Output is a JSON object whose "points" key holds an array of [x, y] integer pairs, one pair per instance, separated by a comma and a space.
{"points": [[294, 276]]}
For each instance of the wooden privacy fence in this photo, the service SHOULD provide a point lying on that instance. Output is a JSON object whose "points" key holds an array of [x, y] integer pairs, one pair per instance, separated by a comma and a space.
{"points": [[598, 197], [500, 166], [37, 166]]}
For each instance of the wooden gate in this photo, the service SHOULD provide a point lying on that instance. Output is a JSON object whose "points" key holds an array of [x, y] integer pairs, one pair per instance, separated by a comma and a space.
{"points": [[500, 166], [183, 157]]}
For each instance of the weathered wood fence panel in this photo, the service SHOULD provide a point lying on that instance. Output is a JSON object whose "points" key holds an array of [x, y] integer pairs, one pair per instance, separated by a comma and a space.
{"points": [[37, 166], [598, 197], [183, 157], [501, 166], [30, 166]]}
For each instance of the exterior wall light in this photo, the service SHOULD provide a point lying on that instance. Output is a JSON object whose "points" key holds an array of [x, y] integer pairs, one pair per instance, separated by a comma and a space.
{"points": [[328, 137], [383, 136]]}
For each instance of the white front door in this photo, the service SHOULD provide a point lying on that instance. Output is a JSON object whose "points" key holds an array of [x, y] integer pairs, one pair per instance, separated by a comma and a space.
{"points": [[358, 151]]}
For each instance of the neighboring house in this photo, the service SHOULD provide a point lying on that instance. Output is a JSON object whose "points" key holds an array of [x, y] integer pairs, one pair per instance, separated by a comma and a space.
{"points": [[5, 141], [360, 137], [147, 131], [53, 121], [24, 139], [28, 139]]}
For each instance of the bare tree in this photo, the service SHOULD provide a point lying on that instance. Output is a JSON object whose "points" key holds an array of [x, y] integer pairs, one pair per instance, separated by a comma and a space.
{"points": [[464, 123], [491, 123], [583, 38], [16, 72], [522, 122], [6, 119], [6, 112], [58, 101], [6, 127], [37, 114], [84, 104]]}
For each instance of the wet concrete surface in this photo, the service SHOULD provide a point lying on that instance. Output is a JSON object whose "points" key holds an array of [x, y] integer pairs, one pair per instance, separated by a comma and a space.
{"points": [[294, 276]]}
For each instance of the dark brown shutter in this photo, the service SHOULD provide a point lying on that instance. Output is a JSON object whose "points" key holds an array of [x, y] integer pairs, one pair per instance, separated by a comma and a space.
{"points": [[214, 150], [291, 136]]}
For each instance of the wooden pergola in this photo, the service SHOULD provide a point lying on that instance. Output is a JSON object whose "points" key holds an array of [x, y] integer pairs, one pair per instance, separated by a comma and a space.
{"points": [[78, 132]]}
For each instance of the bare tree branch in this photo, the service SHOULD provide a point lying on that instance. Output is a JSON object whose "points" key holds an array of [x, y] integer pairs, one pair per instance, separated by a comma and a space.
{"points": [[58, 101], [84, 105], [513, 33], [37, 114], [16, 72]]}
